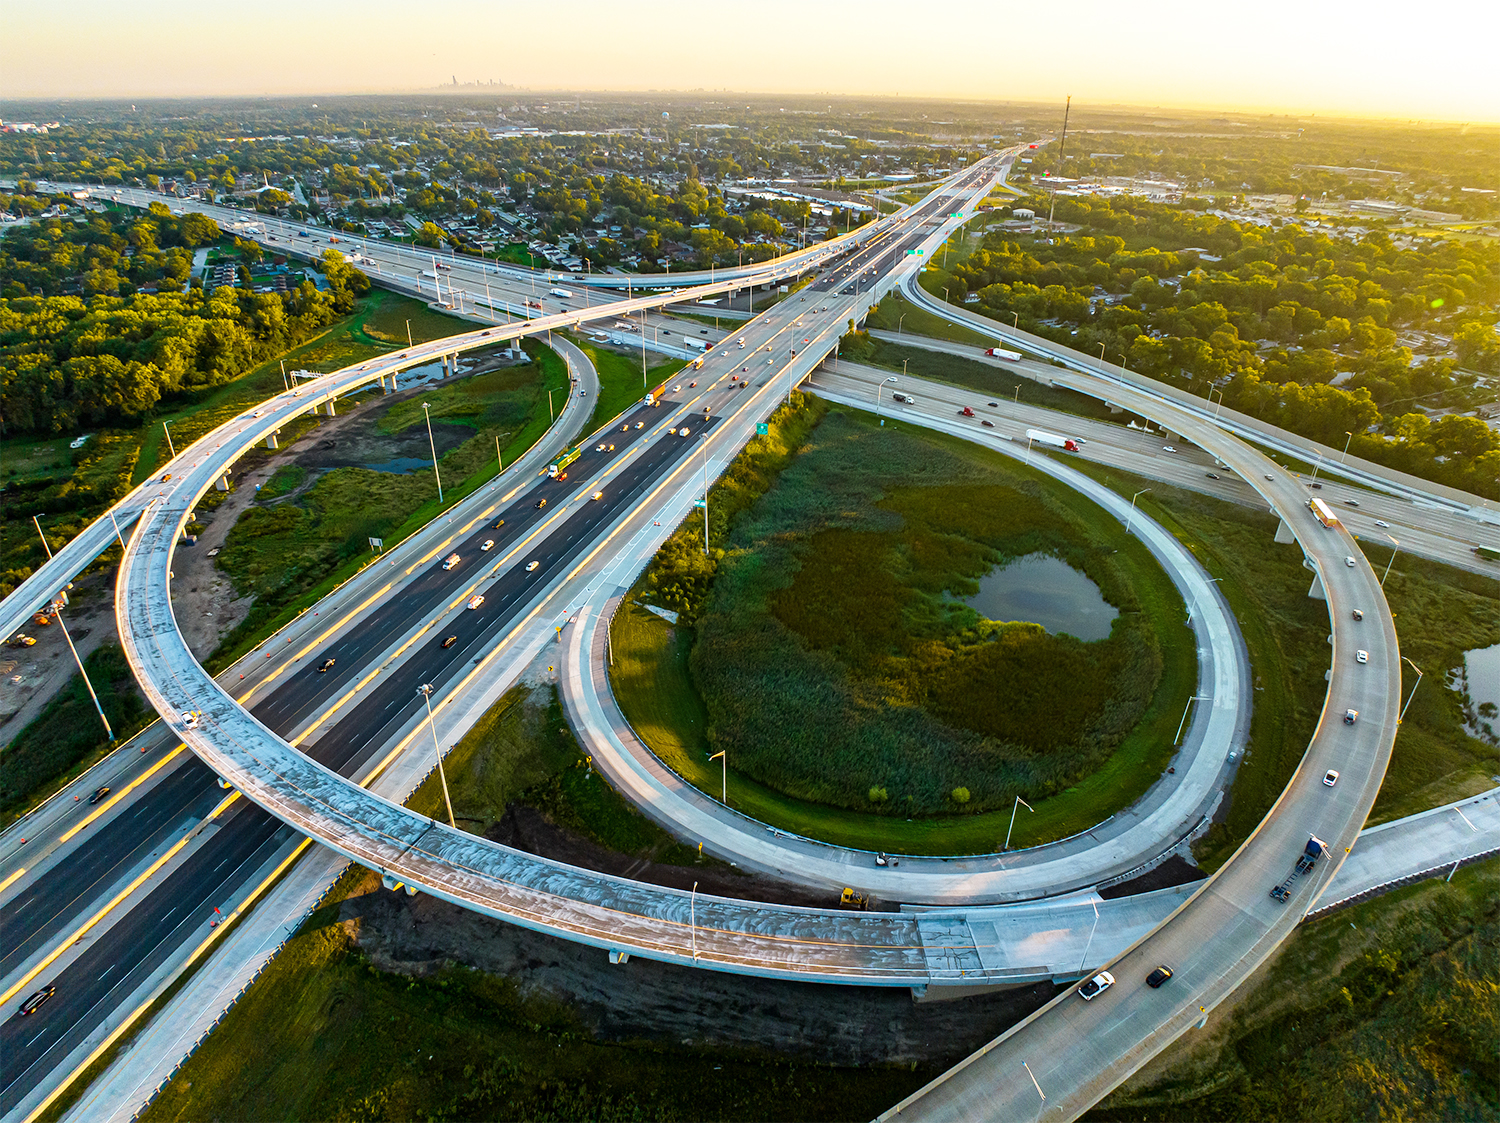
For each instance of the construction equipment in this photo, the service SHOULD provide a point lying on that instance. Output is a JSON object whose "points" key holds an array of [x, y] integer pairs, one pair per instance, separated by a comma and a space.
{"points": [[849, 899]]}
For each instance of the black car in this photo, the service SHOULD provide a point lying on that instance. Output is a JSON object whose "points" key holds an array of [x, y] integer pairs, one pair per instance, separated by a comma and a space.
{"points": [[450, 641], [34, 1003], [325, 665], [1316, 487], [540, 503], [1159, 976], [1211, 475], [98, 795]]}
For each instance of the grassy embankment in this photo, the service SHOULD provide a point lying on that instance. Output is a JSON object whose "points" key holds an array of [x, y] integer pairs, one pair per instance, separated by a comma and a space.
{"points": [[1440, 612], [970, 374], [620, 381], [353, 1042], [656, 686], [1386, 1010], [67, 737], [292, 554]]}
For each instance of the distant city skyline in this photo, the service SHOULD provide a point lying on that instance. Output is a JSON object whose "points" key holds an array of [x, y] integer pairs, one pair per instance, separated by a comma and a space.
{"points": [[1339, 59]]}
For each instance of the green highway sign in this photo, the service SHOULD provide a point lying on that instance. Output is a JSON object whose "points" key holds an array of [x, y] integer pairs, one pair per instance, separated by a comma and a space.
{"points": [[761, 429]]}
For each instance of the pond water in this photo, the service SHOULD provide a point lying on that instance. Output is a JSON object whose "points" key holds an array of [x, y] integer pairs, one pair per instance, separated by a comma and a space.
{"points": [[1045, 591], [1481, 678], [400, 464]]}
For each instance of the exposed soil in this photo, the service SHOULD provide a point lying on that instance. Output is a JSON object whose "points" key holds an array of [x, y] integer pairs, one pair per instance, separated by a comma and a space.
{"points": [[642, 999], [46, 667], [526, 828], [1174, 871]]}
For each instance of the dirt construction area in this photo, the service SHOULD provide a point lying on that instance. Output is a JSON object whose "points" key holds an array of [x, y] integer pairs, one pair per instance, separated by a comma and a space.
{"points": [[642, 999]]}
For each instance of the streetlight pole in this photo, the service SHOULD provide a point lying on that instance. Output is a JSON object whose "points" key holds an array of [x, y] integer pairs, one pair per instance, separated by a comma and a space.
{"points": [[1212, 391], [1090, 944], [1131, 516], [168, 432], [1013, 809], [425, 690], [1390, 563], [58, 611], [693, 918], [1402, 716], [1348, 437], [431, 445], [898, 323], [409, 343], [725, 759], [878, 387]]}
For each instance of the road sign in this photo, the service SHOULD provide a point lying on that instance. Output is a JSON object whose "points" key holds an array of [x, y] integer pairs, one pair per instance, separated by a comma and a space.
{"points": [[761, 429]]}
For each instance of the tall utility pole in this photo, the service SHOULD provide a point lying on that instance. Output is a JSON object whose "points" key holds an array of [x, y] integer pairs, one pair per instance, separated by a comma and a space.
{"points": [[1061, 147]]}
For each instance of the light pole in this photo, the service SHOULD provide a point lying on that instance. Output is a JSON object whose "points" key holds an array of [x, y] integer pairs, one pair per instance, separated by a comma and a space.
{"points": [[1015, 322], [898, 323], [168, 432], [1212, 391], [1013, 809], [1348, 436], [693, 919], [1018, 394], [409, 343], [878, 387], [425, 690], [722, 757], [1185, 709], [1131, 516], [1101, 355], [1390, 563], [1402, 716], [431, 445], [1090, 944]]}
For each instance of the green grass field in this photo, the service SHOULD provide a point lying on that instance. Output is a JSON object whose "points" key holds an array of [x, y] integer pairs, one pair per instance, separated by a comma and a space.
{"points": [[895, 313], [655, 679], [620, 382]]}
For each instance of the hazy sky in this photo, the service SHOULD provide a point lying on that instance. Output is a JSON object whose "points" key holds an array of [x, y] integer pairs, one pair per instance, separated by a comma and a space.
{"points": [[1372, 58]]}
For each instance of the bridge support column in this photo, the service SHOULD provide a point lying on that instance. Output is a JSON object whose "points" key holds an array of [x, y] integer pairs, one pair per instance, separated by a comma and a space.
{"points": [[392, 388], [1284, 533], [390, 882], [1114, 408], [271, 440], [1317, 592], [619, 957], [223, 484], [331, 413]]}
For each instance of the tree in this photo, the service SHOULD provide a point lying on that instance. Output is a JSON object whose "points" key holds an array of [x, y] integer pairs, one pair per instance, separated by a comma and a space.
{"points": [[431, 235]]}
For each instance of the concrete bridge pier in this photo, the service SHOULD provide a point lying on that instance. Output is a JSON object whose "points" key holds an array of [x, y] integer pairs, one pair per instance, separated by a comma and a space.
{"points": [[392, 884], [271, 440], [1316, 592], [223, 483], [331, 413], [1284, 533]]}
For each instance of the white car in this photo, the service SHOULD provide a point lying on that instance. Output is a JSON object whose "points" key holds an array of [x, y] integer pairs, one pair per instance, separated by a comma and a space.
{"points": [[1349, 562], [489, 544], [1331, 777], [190, 719], [678, 387], [1168, 448], [1361, 656], [1383, 523], [530, 566], [476, 600], [1096, 986]]}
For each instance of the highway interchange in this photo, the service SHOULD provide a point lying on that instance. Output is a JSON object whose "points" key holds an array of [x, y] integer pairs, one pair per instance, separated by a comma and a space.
{"points": [[628, 478]]}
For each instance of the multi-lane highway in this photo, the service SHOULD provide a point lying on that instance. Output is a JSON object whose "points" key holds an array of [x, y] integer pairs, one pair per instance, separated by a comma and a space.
{"points": [[612, 914], [548, 536]]}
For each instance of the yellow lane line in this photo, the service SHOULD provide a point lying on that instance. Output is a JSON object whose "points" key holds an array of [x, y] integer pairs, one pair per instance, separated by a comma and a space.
{"points": [[123, 792], [134, 1015], [6, 884]]}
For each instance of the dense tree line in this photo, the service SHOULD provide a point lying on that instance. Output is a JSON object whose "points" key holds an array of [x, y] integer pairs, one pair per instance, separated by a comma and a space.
{"points": [[1280, 316], [107, 354]]}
